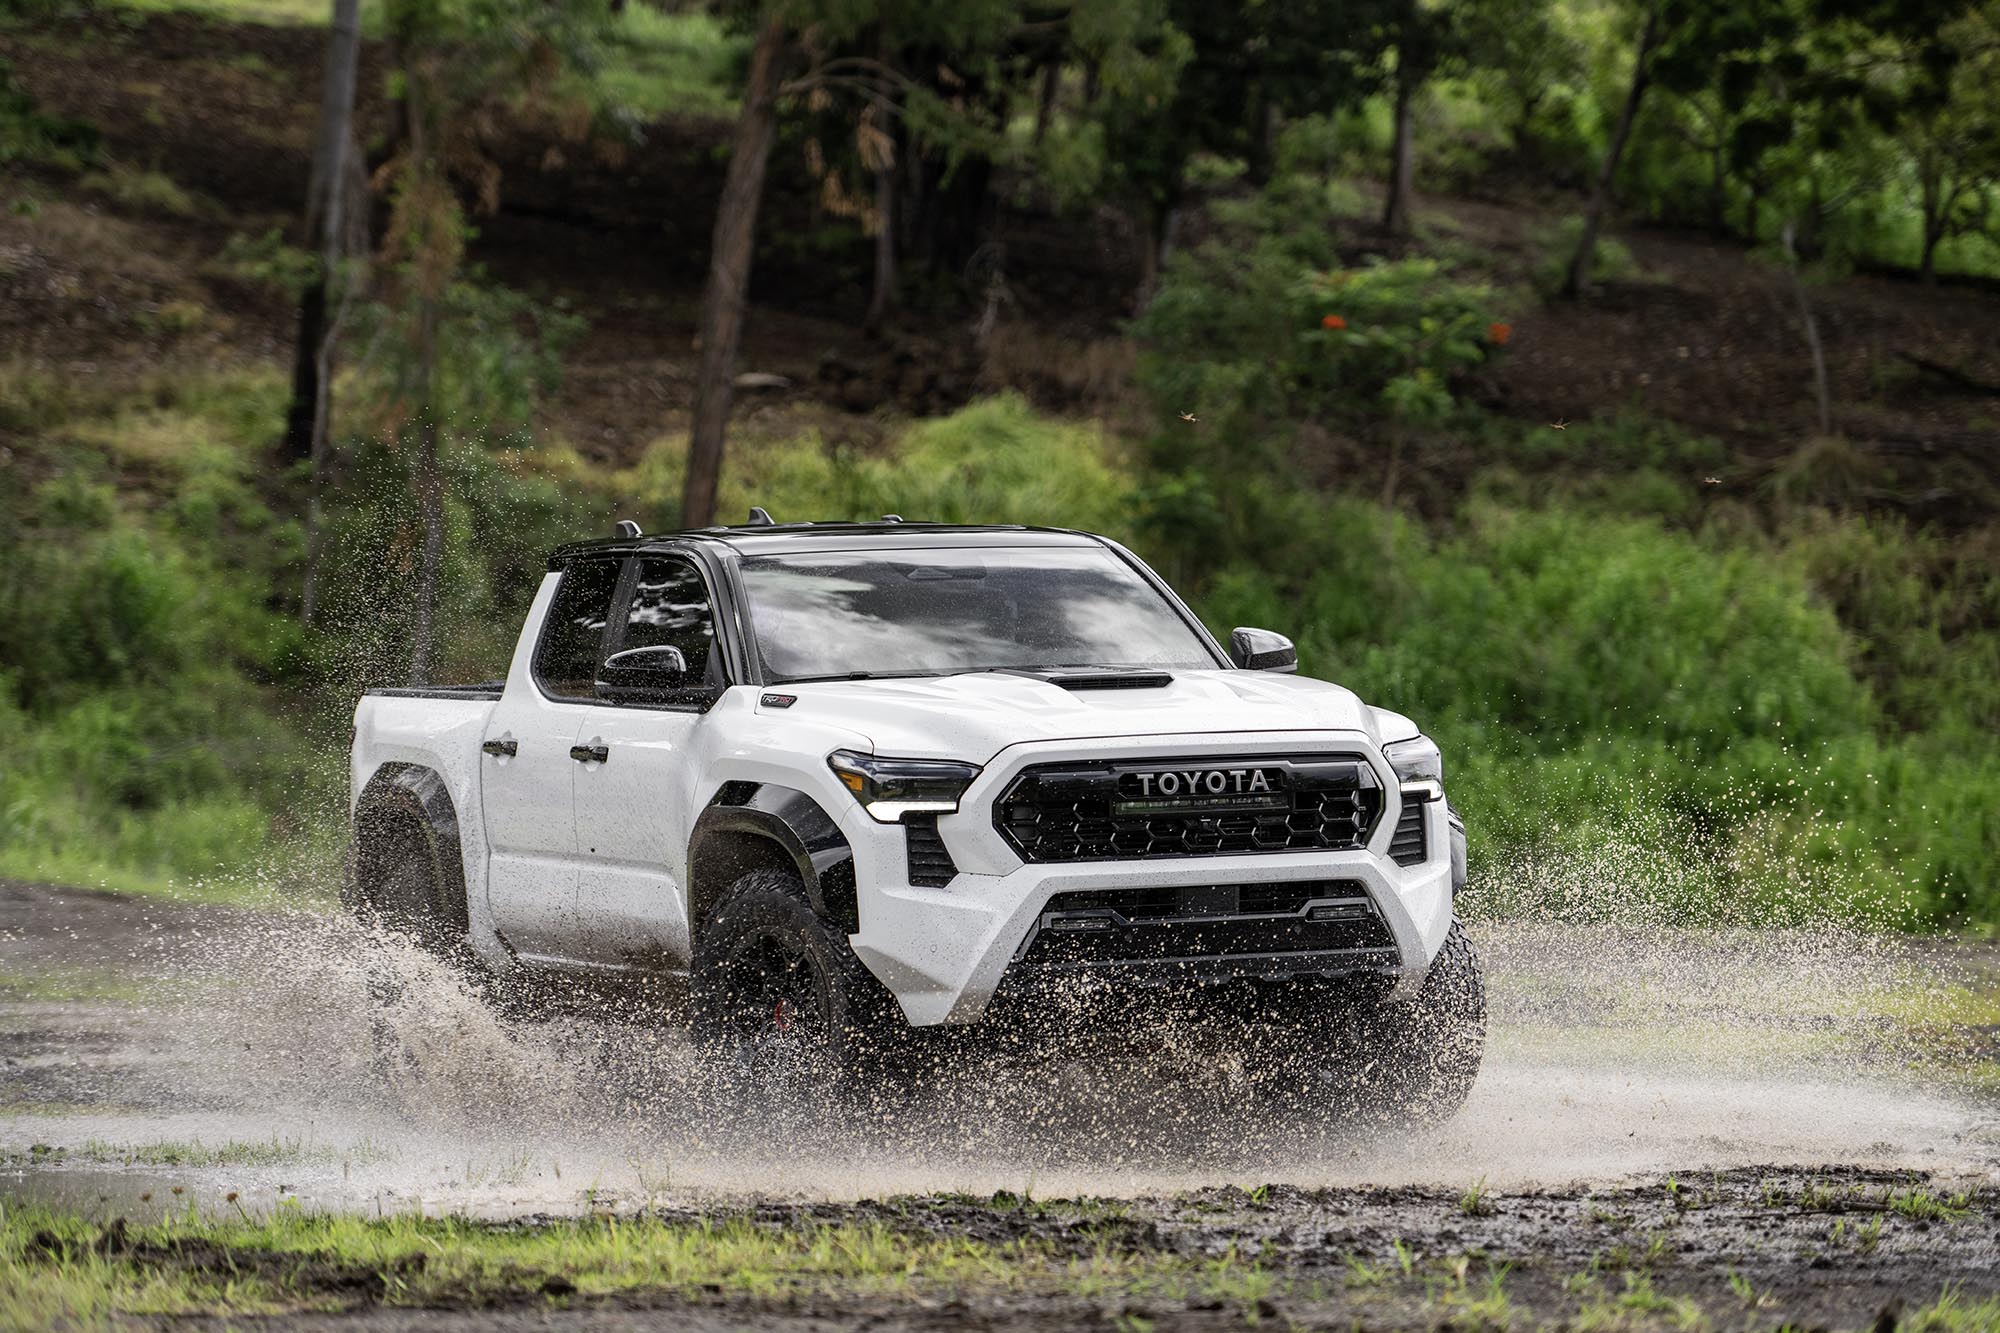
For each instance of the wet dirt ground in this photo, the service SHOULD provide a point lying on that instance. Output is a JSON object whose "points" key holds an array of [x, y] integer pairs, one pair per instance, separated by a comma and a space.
{"points": [[1774, 1127]]}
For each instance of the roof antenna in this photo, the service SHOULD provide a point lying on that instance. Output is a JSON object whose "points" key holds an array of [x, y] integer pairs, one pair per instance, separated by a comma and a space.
{"points": [[627, 528], [892, 518], [760, 517]]}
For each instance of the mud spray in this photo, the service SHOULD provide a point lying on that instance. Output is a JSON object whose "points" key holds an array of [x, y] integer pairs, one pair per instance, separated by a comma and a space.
{"points": [[241, 1051]]}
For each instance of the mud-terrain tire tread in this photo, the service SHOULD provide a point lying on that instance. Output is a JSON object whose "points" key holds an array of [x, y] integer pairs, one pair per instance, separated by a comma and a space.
{"points": [[865, 1021], [403, 876], [1431, 1045]]}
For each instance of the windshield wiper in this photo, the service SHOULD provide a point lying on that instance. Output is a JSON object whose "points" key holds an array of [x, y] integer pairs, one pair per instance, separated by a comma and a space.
{"points": [[849, 675]]}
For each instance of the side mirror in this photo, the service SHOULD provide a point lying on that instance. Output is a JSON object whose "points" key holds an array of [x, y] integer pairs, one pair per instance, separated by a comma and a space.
{"points": [[642, 675], [1262, 650]]}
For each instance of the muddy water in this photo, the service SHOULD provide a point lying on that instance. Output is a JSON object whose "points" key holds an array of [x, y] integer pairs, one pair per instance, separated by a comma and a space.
{"points": [[156, 1047]]}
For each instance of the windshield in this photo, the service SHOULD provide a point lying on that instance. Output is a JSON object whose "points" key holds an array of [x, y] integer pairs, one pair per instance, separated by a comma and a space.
{"points": [[838, 614]]}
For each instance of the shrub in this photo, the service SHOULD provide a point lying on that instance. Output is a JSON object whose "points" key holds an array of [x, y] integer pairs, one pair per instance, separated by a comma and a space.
{"points": [[1637, 720]]}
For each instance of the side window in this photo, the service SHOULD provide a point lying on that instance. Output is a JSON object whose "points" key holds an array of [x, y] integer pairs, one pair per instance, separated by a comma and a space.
{"points": [[573, 636], [670, 605]]}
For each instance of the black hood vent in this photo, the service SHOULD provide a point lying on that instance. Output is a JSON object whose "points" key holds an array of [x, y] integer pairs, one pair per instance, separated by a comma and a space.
{"points": [[1088, 679]]}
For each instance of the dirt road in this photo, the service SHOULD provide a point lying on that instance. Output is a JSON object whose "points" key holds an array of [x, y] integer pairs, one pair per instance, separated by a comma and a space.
{"points": [[1772, 1127]]}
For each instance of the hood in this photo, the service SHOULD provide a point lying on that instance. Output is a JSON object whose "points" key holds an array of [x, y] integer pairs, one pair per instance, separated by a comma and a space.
{"points": [[976, 715]]}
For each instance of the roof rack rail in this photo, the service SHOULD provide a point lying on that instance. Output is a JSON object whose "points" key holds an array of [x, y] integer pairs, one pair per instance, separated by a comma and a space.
{"points": [[892, 518], [627, 528], [760, 517]]}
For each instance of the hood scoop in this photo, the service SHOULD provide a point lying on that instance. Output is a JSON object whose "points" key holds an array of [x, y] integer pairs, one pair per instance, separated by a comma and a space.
{"points": [[1089, 679]]}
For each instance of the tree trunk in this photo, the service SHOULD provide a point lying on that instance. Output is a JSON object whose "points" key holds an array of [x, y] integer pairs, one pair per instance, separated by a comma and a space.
{"points": [[355, 212], [1578, 278], [1045, 101], [1260, 154], [429, 290], [729, 274], [1718, 223], [884, 294], [1822, 386], [430, 493], [1402, 159], [325, 198]]}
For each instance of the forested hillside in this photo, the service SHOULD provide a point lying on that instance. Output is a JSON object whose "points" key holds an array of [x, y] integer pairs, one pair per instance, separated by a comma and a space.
{"points": [[1613, 385]]}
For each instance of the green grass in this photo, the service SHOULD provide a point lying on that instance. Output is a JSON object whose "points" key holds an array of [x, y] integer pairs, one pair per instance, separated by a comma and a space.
{"points": [[1953, 1313], [192, 1153], [139, 191], [54, 1266], [274, 12]]}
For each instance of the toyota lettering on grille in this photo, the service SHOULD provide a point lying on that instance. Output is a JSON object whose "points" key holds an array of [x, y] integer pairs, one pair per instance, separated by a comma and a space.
{"points": [[1183, 789]]}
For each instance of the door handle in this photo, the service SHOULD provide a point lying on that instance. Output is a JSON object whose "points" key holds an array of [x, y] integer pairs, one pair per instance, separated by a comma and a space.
{"points": [[506, 747], [590, 754]]}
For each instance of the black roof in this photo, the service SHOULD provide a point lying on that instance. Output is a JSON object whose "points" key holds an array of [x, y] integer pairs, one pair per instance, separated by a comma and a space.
{"points": [[831, 536]]}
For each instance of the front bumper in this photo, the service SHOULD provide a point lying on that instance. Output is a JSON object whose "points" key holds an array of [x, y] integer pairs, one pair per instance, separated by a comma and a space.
{"points": [[944, 951]]}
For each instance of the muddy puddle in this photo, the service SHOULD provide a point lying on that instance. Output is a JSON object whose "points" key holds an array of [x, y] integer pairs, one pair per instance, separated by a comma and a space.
{"points": [[158, 1055]]}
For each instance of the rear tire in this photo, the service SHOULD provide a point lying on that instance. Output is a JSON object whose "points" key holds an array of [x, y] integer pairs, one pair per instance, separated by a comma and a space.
{"points": [[405, 886], [779, 999]]}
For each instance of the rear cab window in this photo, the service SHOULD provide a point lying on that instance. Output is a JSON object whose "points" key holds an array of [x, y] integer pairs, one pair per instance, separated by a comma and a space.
{"points": [[572, 642]]}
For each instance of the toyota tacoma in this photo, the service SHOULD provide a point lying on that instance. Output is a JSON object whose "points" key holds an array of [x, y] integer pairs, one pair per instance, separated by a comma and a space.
{"points": [[855, 782]]}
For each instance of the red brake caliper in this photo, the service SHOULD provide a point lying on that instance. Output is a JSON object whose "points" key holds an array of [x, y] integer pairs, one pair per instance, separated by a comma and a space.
{"points": [[781, 1016]]}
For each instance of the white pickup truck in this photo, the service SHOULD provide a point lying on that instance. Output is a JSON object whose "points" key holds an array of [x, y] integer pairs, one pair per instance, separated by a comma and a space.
{"points": [[854, 780]]}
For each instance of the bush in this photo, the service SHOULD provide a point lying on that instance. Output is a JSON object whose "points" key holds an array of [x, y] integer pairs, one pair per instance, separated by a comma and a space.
{"points": [[1642, 721], [1612, 262]]}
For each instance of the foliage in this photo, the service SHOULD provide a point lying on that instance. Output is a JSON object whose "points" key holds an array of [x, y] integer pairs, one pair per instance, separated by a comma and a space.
{"points": [[140, 191], [137, 707], [1260, 329], [32, 136]]}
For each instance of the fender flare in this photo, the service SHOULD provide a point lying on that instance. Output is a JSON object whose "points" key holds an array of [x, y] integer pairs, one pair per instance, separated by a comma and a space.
{"points": [[419, 794], [800, 828]]}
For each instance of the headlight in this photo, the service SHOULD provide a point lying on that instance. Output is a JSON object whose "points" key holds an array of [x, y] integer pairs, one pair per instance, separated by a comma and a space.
{"points": [[888, 789], [1419, 767]]}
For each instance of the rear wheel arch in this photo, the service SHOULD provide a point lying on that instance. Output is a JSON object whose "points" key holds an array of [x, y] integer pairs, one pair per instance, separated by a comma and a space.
{"points": [[764, 827], [405, 814]]}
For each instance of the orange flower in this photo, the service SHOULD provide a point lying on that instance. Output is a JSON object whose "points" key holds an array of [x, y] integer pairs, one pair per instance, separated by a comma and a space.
{"points": [[1333, 322], [1499, 333]]}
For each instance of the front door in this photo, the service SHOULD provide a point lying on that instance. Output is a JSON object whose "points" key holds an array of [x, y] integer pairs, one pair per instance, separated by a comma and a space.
{"points": [[633, 809], [529, 773]]}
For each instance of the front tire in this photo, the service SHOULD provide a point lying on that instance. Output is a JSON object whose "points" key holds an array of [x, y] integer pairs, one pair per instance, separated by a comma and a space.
{"points": [[1403, 1064], [778, 997]]}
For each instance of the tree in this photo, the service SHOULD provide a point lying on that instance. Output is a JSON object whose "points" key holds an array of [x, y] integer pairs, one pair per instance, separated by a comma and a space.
{"points": [[958, 99], [1951, 130], [329, 226], [325, 219], [451, 57], [1417, 38], [1520, 49], [1578, 275], [729, 254]]}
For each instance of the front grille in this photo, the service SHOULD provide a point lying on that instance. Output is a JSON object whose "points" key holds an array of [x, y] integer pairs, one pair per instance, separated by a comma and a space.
{"points": [[931, 865], [1098, 926], [1085, 812], [1406, 845]]}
